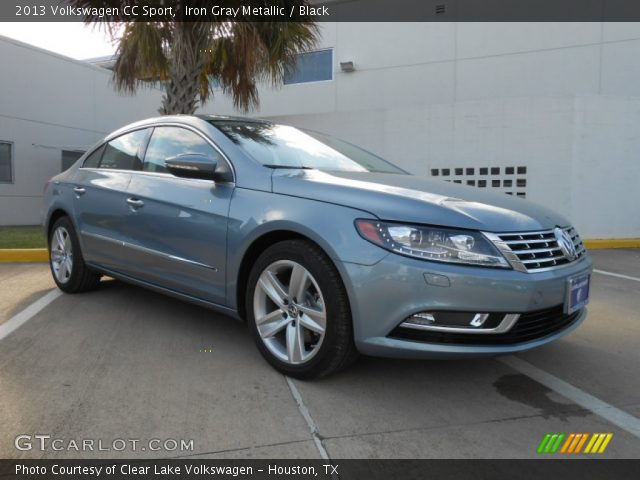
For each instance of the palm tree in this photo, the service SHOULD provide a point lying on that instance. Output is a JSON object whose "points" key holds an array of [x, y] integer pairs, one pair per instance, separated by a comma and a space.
{"points": [[186, 56]]}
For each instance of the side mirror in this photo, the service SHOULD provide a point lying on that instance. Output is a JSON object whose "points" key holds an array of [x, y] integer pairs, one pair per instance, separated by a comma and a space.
{"points": [[192, 165]]}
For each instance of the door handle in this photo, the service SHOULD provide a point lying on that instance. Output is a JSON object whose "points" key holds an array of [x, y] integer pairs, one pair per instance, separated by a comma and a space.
{"points": [[135, 203], [79, 190]]}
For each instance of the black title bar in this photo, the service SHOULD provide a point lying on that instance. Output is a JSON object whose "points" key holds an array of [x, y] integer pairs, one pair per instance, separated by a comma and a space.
{"points": [[324, 11], [194, 468]]}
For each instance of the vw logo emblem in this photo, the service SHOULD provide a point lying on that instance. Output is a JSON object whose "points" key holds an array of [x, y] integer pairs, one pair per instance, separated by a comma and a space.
{"points": [[565, 243], [292, 310]]}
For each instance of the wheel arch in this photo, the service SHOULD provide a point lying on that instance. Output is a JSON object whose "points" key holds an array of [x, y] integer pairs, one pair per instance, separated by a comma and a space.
{"points": [[55, 215], [259, 245]]}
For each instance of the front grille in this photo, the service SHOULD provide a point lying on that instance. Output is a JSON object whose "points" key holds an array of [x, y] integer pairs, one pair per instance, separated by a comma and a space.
{"points": [[535, 251], [530, 326]]}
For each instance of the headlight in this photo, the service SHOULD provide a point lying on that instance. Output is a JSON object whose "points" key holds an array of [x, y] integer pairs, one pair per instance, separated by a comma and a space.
{"points": [[433, 243]]}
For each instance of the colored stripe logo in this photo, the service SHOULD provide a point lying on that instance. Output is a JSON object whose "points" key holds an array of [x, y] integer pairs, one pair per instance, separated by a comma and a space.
{"points": [[573, 443]]}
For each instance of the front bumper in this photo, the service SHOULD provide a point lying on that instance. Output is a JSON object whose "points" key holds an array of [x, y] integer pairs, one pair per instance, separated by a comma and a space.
{"points": [[383, 295]]}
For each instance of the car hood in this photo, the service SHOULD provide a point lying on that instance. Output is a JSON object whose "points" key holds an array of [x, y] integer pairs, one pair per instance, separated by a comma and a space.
{"points": [[414, 199]]}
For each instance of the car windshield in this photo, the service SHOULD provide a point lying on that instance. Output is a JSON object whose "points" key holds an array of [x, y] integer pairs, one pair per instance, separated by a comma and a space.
{"points": [[281, 146]]}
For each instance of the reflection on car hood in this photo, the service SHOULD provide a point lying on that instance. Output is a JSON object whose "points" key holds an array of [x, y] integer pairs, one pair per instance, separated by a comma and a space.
{"points": [[413, 199]]}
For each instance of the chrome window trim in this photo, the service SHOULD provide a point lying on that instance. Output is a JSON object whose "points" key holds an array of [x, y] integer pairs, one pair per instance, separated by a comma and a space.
{"points": [[154, 174], [105, 141], [164, 124], [505, 325], [150, 251]]}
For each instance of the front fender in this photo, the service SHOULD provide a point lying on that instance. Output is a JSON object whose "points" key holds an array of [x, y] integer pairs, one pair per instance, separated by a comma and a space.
{"points": [[254, 214]]}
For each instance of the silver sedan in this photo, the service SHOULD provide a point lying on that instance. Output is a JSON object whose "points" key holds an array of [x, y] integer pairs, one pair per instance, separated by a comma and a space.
{"points": [[324, 249]]}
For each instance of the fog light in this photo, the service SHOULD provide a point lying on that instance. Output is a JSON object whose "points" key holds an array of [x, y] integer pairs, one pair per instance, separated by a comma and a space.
{"points": [[450, 319], [479, 319], [461, 322], [422, 319]]}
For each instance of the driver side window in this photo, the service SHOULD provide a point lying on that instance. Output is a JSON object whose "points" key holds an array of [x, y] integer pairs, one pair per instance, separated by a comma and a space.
{"points": [[167, 142]]}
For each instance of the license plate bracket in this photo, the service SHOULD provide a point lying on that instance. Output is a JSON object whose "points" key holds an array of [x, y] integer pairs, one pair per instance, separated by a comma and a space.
{"points": [[577, 293]]}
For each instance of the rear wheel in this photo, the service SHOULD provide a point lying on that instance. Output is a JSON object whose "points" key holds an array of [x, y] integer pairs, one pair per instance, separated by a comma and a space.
{"points": [[298, 311], [69, 271]]}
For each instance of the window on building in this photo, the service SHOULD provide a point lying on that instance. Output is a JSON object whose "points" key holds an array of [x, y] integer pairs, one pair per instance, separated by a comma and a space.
{"points": [[6, 162], [123, 153], [69, 157], [499, 178], [311, 67]]}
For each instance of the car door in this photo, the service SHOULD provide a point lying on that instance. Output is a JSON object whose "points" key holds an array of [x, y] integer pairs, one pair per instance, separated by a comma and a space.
{"points": [[100, 193], [178, 226]]}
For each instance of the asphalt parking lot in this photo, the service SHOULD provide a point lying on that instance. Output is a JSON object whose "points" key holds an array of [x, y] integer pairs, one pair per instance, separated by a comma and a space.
{"points": [[126, 363]]}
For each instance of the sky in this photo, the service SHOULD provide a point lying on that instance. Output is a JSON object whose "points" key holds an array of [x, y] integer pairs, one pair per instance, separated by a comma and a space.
{"points": [[73, 39]]}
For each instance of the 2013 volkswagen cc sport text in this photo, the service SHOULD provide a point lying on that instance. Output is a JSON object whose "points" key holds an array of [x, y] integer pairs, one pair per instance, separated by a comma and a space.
{"points": [[324, 249]]}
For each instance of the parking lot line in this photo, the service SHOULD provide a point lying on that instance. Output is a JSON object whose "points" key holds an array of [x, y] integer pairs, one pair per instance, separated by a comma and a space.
{"points": [[614, 415], [617, 275], [28, 313], [304, 411]]}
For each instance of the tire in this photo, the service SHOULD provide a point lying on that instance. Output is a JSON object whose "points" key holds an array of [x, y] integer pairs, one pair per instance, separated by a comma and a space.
{"points": [[68, 269], [289, 332]]}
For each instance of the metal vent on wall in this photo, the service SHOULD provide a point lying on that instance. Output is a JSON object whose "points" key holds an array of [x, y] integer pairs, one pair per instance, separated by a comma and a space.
{"points": [[441, 9], [510, 180]]}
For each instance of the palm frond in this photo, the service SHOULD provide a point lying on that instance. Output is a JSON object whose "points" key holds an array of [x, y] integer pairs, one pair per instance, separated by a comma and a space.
{"points": [[141, 56], [250, 52], [236, 51]]}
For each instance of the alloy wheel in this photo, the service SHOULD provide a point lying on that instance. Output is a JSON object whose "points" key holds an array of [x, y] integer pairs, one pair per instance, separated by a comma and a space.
{"points": [[289, 311], [61, 254]]}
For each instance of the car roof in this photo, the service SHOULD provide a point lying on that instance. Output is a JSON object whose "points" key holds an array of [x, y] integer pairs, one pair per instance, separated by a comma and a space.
{"points": [[231, 118], [182, 119]]}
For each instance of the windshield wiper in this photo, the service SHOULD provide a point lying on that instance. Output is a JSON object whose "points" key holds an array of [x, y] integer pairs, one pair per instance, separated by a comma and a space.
{"points": [[303, 167]]}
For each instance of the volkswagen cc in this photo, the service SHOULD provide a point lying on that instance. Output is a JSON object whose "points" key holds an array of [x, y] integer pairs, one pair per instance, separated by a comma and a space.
{"points": [[324, 249]]}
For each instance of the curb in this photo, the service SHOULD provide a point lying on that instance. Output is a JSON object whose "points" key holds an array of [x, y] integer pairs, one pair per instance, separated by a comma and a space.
{"points": [[26, 255], [612, 243]]}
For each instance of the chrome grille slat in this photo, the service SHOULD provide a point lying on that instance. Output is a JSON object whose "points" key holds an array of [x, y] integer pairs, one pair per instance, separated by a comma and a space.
{"points": [[543, 260], [520, 242], [537, 251], [529, 237]]}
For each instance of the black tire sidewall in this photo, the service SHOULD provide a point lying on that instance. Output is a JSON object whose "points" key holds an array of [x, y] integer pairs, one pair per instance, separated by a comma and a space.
{"points": [[338, 325], [78, 268]]}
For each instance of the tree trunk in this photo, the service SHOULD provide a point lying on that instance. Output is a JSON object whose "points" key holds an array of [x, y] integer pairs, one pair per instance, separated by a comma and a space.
{"points": [[182, 88]]}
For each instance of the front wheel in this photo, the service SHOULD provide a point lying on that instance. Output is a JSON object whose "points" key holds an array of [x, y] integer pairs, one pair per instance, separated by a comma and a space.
{"points": [[69, 271], [298, 311]]}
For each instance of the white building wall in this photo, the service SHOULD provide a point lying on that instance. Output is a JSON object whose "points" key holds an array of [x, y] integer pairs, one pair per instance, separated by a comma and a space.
{"points": [[562, 99], [50, 103]]}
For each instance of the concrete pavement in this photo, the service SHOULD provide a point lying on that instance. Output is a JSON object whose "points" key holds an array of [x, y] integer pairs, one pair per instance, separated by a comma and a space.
{"points": [[126, 363], [20, 285]]}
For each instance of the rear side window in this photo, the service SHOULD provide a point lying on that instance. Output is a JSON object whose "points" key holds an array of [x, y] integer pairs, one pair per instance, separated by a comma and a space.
{"points": [[167, 142], [123, 153], [93, 159], [69, 157]]}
